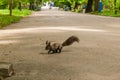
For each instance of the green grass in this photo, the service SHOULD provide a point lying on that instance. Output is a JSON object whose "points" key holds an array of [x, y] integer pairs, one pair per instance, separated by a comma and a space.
{"points": [[16, 12], [107, 13], [5, 19]]}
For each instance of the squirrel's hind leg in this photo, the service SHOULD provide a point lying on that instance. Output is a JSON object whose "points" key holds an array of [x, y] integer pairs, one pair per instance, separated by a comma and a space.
{"points": [[54, 51], [49, 51], [60, 49]]}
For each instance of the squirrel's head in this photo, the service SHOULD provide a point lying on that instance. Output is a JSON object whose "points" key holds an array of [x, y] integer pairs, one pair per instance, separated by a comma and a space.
{"points": [[47, 45]]}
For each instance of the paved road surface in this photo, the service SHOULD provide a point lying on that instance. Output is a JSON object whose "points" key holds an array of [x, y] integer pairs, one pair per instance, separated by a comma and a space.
{"points": [[96, 57]]}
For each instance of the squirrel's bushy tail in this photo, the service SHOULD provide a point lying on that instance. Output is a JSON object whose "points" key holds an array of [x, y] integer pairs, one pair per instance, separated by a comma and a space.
{"points": [[70, 41]]}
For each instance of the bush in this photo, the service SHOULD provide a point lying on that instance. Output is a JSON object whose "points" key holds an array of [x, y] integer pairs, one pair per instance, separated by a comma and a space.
{"points": [[3, 6]]}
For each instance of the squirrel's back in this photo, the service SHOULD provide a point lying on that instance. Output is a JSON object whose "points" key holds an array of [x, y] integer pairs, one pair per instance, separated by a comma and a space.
{"points": [[57, 47]]}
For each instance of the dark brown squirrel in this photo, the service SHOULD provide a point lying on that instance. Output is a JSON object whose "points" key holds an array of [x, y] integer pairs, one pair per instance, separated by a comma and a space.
{"points": [[57, 47]]}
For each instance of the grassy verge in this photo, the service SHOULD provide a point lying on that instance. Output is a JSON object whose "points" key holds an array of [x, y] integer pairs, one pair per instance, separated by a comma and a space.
{"points": [[16, 12], [107, 13], [5, 19]]}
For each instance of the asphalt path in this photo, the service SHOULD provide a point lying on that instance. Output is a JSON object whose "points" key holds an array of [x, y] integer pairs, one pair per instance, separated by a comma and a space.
{"points": [[95, 57]]}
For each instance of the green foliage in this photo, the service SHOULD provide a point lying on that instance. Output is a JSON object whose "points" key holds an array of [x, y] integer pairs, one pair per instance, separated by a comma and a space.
{"points": [[109, 4], [75, 5], [3, 4], [118, 4], [71, 4]]}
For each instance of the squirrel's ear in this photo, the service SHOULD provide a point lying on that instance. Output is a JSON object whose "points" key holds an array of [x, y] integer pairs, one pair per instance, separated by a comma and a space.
{"points": [[49, 43], [46, 42]]}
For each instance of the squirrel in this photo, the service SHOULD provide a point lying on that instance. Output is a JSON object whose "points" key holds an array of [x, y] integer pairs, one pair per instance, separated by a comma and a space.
{"points": [[57, 47]]}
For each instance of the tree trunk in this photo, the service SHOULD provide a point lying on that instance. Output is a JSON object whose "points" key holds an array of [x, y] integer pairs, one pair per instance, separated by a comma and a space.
{"points": [[20, 6], [96, 5], [89, 6], [10, 6], [32, 6], [76, 4], [115, 6]]}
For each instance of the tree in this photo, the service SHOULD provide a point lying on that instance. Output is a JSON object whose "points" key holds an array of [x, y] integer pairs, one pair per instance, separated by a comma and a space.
{"points": [[10, 6], [96, 5], [89, 6], [19, 6], [115, 7]]}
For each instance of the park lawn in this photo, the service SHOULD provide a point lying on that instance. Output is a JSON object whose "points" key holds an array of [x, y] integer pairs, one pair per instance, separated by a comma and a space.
{"points": [[107, 13], [16, 12], [110, 13], [5, 19]]}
